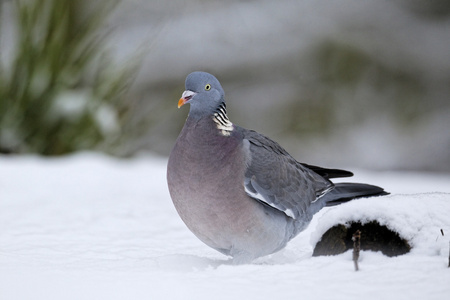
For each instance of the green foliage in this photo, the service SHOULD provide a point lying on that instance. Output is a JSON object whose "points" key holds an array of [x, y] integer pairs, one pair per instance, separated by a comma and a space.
{"points": [[346, 68], [61, 92], [344, 75]]}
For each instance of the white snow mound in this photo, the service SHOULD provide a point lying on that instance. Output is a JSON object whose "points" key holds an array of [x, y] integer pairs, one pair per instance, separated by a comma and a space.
{"points": [[88, 226], [418, 218]]}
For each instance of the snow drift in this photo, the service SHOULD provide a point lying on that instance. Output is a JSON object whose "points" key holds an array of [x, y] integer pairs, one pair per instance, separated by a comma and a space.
{"points": [[88, 226]]}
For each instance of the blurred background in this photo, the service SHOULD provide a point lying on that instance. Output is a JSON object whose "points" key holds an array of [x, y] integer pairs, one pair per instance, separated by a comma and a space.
{"points": [[338, 83]]}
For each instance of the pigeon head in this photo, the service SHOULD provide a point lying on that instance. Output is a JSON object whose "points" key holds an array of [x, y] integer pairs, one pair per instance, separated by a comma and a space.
{"points": [[204, 94]]}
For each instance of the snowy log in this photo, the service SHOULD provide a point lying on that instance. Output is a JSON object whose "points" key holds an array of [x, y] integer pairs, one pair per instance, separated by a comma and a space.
{"points": [[393, 225], [374, 237]]}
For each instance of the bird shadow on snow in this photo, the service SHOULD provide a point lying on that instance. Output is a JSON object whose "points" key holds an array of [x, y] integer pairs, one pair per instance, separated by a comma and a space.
{"points": [[190, 262]]}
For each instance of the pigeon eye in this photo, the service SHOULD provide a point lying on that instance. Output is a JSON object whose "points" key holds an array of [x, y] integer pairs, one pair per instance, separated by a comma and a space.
{"points": [[207, 87]]}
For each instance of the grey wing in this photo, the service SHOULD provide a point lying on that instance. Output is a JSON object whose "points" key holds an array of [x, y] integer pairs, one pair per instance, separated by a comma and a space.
{"points": [[275, 178]]}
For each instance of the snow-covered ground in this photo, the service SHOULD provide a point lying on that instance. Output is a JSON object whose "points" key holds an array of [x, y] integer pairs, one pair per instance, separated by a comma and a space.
{"points": [[92, 227]]}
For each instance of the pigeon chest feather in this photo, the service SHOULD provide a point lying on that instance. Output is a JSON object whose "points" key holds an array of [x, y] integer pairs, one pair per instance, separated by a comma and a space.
{"points": [[204, 166]]}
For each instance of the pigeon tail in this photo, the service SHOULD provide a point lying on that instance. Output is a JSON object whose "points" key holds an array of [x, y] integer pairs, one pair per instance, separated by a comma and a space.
{"points": [[344, 192]]}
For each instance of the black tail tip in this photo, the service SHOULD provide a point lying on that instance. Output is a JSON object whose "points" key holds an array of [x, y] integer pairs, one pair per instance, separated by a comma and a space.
{"points": [[344, 192]]}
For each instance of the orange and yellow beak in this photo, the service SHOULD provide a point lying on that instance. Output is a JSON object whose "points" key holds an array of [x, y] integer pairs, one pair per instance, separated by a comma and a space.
{"points": [[181, 102], [187, 95]]}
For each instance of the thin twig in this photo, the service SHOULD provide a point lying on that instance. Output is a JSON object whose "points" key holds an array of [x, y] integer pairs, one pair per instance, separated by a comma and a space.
{"points": [[356, 247], [442, 232]]}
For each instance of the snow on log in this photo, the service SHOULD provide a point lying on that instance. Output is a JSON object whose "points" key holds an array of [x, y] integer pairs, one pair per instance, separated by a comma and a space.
{"points": [[393, 225]]}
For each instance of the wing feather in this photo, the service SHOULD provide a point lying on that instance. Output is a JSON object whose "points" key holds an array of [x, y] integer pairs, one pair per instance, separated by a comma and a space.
{"points": [[275, 178]]}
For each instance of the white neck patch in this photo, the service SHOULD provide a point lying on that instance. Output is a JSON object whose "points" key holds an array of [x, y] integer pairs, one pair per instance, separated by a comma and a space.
{"points": [[221, 119]]}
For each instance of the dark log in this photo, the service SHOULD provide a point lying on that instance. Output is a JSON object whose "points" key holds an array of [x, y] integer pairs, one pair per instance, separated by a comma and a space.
{"points": [[376, 237]]}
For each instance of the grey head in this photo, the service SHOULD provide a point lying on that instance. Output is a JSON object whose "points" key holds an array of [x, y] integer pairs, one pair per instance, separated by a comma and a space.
{"points": [[204, 94]]}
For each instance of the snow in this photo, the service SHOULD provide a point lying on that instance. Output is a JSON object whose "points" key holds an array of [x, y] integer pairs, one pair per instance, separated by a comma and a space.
{"points": [[70, 105], [88, 226], [420, 224]]}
